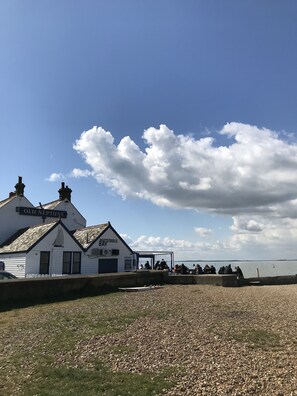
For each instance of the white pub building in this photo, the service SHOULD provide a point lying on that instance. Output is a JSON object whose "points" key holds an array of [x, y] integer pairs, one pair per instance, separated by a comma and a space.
{"points": [[53, 239]]}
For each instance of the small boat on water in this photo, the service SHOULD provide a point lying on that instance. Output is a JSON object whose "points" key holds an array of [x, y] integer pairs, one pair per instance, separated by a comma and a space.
{"points": [[141, 288]]}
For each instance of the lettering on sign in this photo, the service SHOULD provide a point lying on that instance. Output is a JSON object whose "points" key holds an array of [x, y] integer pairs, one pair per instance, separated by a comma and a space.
{"points": [[104, 242], [62, 214]]}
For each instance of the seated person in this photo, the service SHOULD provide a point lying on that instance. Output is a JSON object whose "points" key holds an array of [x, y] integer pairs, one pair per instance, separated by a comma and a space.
{"points": [[212, 270], [239, 273], [221, 270], [147, 266], [206, 269]]}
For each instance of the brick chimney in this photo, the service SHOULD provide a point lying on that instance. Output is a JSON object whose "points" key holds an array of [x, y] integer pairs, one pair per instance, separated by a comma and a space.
{"points": [[19, 187], [64, 192]]}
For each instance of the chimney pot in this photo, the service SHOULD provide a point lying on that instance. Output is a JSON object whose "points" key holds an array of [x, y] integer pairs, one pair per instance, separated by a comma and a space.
{"points": [[19, 187], [64, 192]]}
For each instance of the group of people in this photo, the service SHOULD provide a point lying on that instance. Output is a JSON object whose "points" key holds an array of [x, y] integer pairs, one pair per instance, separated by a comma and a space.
{"points": [[228, 270], [180, 269], [197, 270], [159, 265], [207, 269]]}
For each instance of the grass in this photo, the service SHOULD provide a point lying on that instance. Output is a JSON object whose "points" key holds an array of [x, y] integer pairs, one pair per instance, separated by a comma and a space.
{"points": [[258, 338], [36, 336], [98, 381], [123, 343]]}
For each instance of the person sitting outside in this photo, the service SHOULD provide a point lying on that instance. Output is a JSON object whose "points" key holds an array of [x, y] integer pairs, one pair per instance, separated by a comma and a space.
{"points": [[207, 269], [212, 270], [184, 270], [198, 270], [157, 265], [221, 270], [228, 269], [163, 265], [239, 273], [147, 266]]}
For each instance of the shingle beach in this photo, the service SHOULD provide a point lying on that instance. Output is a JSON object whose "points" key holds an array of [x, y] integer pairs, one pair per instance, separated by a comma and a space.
{"points": [[210, 340], [217, 341]]}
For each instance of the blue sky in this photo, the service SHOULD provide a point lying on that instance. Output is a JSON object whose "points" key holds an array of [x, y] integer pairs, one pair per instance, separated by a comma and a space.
{"points": [[174, 120]]}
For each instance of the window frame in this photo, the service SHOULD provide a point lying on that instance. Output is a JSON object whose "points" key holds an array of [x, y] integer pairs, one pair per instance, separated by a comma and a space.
{"points": [[76, 262], [44, 254], [67, 270], [71, 265]]}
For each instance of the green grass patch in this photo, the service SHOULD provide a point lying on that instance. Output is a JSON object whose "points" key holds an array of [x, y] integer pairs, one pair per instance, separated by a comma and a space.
{"points": [[121, 350], [44, 336], [258, 338], [98, 381]]}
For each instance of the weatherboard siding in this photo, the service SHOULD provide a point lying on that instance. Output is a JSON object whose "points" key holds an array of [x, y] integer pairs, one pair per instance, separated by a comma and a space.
{"points": [[16, 264], [56, 252]]}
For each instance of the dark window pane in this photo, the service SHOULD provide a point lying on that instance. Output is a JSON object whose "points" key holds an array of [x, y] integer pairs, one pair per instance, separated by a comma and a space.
{"points": [[76, 263], [66, 263], [44, 262]]}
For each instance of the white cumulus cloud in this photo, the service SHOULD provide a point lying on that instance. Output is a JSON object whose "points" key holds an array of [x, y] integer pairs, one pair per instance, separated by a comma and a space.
{"points": [[255, 172], [253, 178], [56, 177]]}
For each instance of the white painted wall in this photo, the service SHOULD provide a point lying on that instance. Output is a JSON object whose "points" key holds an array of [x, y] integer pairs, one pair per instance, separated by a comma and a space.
{"points": [[11, 221], [90, 262], [23, 265], [56, 253], [15, 264], [74, 219]]}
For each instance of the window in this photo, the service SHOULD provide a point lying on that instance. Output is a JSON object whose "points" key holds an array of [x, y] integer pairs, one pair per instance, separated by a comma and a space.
{"points": [[128, 264], [44, 263], [66, 263], [76, 262], [71, 262]]}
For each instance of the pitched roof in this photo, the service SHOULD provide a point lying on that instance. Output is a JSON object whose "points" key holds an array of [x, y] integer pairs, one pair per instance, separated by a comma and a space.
{"points": [[26, 238], [50, 205], [87, 235], [5, 201], [53, 204]]}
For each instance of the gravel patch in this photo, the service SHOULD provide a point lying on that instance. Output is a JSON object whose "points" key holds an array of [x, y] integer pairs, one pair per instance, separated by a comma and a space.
{"points": [[210, 340], [213, 340]]}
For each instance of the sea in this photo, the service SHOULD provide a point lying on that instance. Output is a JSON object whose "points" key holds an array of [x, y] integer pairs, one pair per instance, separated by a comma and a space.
{"points": [[250, 268]]}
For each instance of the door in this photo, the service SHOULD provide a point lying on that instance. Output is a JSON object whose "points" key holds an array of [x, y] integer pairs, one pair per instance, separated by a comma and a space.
{"points": [[107, 265]]}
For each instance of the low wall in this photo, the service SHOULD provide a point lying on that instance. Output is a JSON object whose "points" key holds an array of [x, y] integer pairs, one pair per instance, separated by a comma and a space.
{"points": [[215, 280], [272, 280], [57, 287]]}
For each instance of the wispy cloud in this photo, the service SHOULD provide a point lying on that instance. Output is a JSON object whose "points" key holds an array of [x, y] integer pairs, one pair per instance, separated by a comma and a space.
{"points": [[203, 232], [75, 173]]}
